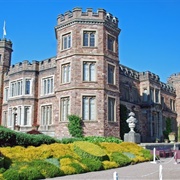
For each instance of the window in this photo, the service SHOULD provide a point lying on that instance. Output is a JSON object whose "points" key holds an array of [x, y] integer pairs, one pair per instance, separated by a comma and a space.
{"points": [[172, 104], [145, 95], [157, 95], [46, 115], [0, 57], [111, 41], [66, 41], [4, 123], [88, 71], [65, 108], [48, 86], [9, 122], [66, 73], [162, 101], [152, 94], [6, 90], [19, 87], [88, 38], [89, 108], [27, 119], [111, 74], [27, 86], [111, 109], [13, 89]]}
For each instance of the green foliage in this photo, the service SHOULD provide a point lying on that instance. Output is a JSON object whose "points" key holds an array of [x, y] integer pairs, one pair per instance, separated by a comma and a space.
{"points": [[120, 158], [75, 126], [92, 139], [11, 174], [11, 138], [53, 161], [129, 155], [30, 173], [90, 150], [1, 162], [168, 128], [98, 139], [36, 169], [2, 170], [92, 164], [79, 169], [146, 154], [123, 124]]}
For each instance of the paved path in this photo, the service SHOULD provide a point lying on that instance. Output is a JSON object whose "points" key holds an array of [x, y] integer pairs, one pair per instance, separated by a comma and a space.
{"points": [[147, 170]]}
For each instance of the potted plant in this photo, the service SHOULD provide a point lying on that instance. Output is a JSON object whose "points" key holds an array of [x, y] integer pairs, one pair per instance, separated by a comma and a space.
{"points": [[172, 137]]}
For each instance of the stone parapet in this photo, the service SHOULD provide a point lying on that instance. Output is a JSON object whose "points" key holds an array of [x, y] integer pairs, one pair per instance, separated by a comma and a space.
{"points": [[4, 43], [129, 72], [47, 64], [23, 66], [76, 15], [147, 75]]}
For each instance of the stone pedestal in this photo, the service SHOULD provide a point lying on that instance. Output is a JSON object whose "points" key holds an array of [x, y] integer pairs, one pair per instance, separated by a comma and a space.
{"points": [[132, 137]]}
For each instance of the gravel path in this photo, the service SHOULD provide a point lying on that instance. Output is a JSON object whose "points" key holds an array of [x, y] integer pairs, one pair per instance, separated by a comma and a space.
{"points": [[146, 170]]}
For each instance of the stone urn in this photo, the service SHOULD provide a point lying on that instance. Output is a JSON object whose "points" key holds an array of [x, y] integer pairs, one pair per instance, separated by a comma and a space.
{"points": [[131, 121], [172, 137]]}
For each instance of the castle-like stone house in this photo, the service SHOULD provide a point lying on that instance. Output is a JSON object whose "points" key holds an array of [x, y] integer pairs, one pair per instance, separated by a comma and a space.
{"points": [[84, 78]]}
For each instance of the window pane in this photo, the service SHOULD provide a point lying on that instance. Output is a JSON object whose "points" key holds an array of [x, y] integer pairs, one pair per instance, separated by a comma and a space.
{"points": [[111, 74], [85, 72], [92, 109], [92, 39], [27, 87], [92, 72], [85, 39], [111, 109], [85, 109]]}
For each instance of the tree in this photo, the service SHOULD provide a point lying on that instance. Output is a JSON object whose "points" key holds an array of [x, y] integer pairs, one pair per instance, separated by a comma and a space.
{"points": [[75, 126]]}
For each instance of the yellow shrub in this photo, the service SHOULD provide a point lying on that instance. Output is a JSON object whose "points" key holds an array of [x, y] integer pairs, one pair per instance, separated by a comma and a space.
{"points": [[44, 151], [1, 177], [68, 170], [109, 164]]}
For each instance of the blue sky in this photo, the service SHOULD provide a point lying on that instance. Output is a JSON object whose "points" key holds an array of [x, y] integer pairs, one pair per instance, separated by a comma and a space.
{"points": [[149, 38]]}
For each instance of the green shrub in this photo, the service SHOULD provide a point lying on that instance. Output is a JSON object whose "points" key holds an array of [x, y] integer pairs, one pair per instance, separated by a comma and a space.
{"points": [[53, 161], [47, 169], [11, 174], [92, 164], [1, 162], [146, 154], [2, 170], [75, 126], [120, 158], [90, 150], [30, 173], [12, 138], [98, 139], [79, 169], [7, 137]]}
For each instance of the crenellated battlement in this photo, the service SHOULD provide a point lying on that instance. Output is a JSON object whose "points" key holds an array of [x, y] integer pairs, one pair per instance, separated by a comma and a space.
{"points": [[167, 87], [5, 43], [147, 75], [23, 66], [47, 64], [34, 66], [129, 72], [89, 16]]}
